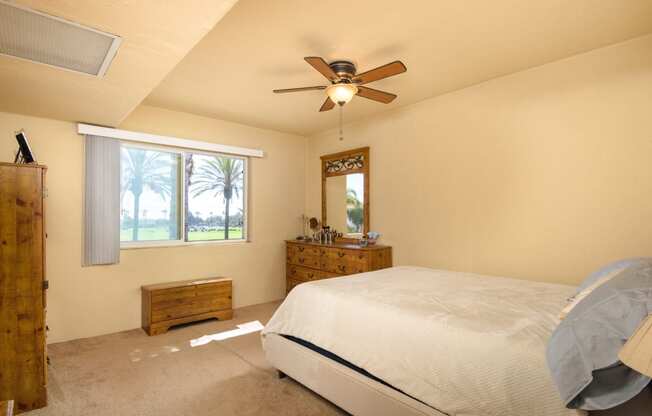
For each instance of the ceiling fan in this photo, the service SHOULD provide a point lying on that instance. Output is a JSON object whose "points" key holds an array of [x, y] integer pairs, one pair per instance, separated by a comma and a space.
{"points": [[346, 82]]}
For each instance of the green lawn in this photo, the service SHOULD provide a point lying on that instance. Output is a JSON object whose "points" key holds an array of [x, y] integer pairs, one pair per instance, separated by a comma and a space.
{"points": [[161, 233]]}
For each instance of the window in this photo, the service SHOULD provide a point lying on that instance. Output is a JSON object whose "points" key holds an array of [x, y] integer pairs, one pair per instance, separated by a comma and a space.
{"points": [[215, 198], [148, 195], [176, 196]]}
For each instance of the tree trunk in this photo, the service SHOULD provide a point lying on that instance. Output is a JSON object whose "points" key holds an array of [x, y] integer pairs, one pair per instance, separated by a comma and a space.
{"points": [[173, 225], [188, 173], [226, 219], [134, 231]]}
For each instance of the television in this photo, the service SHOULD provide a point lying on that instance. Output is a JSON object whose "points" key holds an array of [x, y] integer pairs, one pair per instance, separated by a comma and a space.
{"points": [[24, 154]]}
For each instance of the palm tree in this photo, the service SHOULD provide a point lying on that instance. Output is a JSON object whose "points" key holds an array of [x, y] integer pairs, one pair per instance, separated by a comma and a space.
{"points": [[352, 199], [354, 210], [223, 177], [144, 169]]}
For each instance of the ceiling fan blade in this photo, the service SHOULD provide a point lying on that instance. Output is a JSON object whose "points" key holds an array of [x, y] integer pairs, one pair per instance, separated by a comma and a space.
{"points": [[320, 65], [328, 105], [388, 70], [376, 95], [282, 91]]}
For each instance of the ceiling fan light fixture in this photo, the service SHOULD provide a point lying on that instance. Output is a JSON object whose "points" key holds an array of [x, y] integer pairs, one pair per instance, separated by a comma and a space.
{"points": [[341, 93]]}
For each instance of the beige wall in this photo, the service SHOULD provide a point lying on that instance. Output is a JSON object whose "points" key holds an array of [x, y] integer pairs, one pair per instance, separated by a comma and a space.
{"points": [[96, 300], [545, 174]]}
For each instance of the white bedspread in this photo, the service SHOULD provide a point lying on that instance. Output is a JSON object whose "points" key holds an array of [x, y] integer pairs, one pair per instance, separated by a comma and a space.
{"points": [[462, 343]]}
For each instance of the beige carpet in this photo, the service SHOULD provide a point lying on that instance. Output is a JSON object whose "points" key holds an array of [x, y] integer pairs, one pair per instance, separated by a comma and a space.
{"points": [[130, 373]]}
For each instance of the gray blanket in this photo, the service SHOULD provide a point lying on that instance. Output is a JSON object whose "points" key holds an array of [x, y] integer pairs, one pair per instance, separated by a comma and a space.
{"points": [[583, 350]]}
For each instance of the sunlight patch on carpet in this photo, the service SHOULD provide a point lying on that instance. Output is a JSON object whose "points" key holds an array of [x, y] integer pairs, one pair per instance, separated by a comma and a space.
{"points": [[243, 329]]}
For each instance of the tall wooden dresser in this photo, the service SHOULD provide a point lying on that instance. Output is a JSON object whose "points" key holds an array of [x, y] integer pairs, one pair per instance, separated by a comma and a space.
{"points": [[22, 286], [315, 261]]}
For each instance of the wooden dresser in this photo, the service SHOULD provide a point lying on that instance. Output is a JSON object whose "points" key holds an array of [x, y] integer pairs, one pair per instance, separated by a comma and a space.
{"points": [[23, 367], [168, 304], [314, 261]]}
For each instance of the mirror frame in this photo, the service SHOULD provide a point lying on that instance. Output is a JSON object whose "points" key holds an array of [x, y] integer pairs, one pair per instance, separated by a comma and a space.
{"points": [[345, 163]]}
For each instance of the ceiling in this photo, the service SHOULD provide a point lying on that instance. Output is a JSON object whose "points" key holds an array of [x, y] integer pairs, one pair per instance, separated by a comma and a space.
{"points": [[156, 36], [446, 44]]}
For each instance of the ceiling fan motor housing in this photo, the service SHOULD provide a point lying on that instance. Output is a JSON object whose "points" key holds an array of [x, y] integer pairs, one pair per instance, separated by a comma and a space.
{"points": [[344, 69]]}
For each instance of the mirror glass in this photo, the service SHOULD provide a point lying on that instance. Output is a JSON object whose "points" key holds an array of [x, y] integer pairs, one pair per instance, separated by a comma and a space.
{"points": [[345, 203]]}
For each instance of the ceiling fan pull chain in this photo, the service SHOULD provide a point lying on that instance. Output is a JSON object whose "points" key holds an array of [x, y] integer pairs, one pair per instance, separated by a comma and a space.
{"points": [[341, 130]]}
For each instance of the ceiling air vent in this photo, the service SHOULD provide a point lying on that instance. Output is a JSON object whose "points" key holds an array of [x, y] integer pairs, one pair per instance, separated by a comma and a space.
{"points": [[38, 37]]}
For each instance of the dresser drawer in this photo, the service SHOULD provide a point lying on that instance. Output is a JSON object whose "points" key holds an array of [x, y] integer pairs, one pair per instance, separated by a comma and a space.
{"points": [[344, 268], [303, 249], [348, 255], [303, 274], [343, 261], [303, 256]]}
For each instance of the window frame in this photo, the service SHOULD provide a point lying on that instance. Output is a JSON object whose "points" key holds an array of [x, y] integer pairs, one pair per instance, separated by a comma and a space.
{"points": [[181, 195]]}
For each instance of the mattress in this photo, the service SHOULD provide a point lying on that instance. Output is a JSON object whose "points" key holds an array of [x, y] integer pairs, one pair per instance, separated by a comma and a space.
{"points": [[461, 343]]}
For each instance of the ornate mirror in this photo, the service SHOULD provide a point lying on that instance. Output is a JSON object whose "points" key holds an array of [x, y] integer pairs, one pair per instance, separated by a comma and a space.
{"points": [[345, 192]]}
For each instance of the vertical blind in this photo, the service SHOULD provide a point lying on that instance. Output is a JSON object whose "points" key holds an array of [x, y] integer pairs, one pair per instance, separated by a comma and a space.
{"points": [[102, 201]]}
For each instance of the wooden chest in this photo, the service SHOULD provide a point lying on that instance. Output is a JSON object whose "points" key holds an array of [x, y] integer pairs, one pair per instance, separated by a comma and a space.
{"points": [[314, 261], [168, 304]]}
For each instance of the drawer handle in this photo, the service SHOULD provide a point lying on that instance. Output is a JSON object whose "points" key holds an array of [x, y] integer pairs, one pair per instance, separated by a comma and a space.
{"points": [[301, 260], [340, 254], [301, 249], [311, 275], [341, 268], [361, 256], [293, 271]]}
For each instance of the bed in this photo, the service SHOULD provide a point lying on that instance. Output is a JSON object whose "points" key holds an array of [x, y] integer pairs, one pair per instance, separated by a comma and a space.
{"points": [[418, 341]]}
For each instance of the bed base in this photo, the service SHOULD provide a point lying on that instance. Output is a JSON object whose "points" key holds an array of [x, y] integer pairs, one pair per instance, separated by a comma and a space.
{"points": [[362, 396], [348, 389]]}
